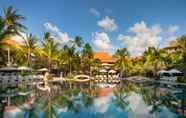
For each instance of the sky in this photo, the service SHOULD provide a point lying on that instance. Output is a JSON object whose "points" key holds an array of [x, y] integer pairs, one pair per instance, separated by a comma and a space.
{"points": [[106, 24]]}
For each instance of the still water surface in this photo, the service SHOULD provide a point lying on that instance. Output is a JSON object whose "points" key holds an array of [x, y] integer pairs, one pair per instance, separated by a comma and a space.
{"points": [[125, 101]]}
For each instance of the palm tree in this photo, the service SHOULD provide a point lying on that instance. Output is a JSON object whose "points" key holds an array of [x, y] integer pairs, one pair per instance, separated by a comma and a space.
{"points": [[122, 55], [30, 46], [77, 42], [164, 58], [9, 26], [50, 49], [87, 56], [69, 57], [9, 23], [87, 51], [182, 42], [152, 57]]}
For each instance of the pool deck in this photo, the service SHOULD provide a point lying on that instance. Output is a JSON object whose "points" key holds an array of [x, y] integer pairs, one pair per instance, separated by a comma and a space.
{"points": [[141, 79]]}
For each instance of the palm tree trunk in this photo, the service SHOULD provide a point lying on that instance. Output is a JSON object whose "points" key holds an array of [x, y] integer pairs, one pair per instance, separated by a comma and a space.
{"points": [[29, 55], [155, 67], [49, 64], [70, 68], [8, 52], [89, 70], [184, 58]]}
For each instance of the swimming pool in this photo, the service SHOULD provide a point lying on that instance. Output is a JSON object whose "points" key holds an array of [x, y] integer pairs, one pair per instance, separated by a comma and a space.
{"points": [[127, 100]]}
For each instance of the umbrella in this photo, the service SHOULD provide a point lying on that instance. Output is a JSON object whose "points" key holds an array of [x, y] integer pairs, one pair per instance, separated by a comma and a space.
{"points": [[8, 69], [106, 64], [163, 71], [112, 71], [43, 70], [24, 68], [103, 71], [174, 71]]}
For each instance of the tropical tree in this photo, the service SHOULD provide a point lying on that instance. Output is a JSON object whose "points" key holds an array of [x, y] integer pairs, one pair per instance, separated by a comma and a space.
{"points": [[122, 55], [182, 42], [152, 57], [50, 49], [87, 51], [9, 26], [29, 47], [69, 57], [137, 65], [9, 23], [77, 42], [87, 56]]}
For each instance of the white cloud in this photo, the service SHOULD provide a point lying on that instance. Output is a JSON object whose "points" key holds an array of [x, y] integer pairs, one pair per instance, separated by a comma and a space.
{"points": [[169, 34], [101, 104], [61, 37], [19, 39], [94, 12], [108, 24], [173, 29], [102, 41], [51, 27], [142, 38]]}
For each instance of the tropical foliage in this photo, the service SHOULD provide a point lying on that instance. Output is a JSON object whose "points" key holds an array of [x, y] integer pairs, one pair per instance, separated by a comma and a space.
{"points": [[78, 55]]}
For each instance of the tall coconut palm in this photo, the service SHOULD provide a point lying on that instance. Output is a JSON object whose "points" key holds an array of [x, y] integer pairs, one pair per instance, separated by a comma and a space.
{"points": [[77, 42], [50, 49], [9, 23], [152, 58], [69, 56], [2, 25], [122, 55], [87, 51], [164, 59], [87, 56], [30, 46], [182, 42], [157, 58]]}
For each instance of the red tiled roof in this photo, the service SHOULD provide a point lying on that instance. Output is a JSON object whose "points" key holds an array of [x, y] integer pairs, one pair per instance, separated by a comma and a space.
{"points": [[9, 42], [104, 57], [173, 45]]}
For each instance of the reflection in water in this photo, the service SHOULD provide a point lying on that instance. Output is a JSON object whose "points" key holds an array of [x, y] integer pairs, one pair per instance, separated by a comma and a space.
{"points": [[130, 100], [101, 104]]}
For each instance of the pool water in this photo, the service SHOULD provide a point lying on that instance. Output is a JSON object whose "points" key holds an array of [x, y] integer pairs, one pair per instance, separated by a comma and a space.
{"points": [[128, 100]]}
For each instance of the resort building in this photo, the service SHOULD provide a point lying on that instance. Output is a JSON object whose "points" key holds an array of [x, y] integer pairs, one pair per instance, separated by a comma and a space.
{"points": [[172, 47], [107, 60]]}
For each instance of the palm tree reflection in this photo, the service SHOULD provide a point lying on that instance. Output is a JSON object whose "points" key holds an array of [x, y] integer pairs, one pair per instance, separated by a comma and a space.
{"points": [[70, 99], [159, 97], [119, 99]]}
